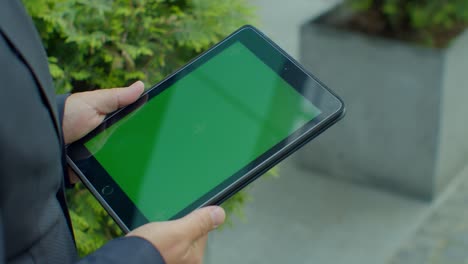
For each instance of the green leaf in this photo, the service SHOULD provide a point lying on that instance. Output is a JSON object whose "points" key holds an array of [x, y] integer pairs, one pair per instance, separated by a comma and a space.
{"points": [[54, 69], [81, 75], [391, 8], [360, 5]]}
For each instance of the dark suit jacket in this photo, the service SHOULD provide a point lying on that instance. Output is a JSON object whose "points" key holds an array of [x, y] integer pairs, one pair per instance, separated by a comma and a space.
{"points": [[34, 221]]}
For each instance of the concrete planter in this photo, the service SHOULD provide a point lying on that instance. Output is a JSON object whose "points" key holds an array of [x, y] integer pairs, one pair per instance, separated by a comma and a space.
{"points": [[406, 127]]}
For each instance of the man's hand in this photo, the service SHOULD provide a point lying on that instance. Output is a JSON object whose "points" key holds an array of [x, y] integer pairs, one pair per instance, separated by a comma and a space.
{"points": [[85, 111], [182, 241]]}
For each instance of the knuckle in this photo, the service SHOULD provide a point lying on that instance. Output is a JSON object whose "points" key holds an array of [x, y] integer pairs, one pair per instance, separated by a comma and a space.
{"points": [[203, 223]]}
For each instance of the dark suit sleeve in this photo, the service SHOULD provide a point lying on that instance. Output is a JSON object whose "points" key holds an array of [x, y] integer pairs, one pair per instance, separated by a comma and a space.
{"points": [[60, 100], [2, 250], [123, 251]]}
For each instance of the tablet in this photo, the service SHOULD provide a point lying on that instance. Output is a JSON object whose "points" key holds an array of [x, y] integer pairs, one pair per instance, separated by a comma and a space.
{"points": [[205, 132]]}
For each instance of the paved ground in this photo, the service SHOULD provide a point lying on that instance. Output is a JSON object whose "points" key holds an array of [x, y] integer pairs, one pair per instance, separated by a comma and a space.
{"points": [[306, 218], [443, 236]]}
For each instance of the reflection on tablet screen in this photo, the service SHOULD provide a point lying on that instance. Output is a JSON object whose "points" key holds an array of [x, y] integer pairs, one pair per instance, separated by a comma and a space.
{"points": [[199, 132]]}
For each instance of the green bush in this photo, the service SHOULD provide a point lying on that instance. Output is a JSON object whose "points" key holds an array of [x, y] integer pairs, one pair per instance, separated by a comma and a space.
{"points": [[96, 44], [106, 43], [431, 22]]}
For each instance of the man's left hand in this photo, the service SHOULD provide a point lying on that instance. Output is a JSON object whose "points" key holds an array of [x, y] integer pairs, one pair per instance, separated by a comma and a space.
{"points": [[85, 111]]}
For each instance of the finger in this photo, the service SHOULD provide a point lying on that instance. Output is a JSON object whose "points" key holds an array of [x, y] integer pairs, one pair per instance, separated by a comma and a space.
{"points": [[73, 178], [198, 223], [108, 100]]}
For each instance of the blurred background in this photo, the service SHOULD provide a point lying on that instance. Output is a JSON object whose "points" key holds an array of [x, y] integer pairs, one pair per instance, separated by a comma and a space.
{"points": [[388, 184]]}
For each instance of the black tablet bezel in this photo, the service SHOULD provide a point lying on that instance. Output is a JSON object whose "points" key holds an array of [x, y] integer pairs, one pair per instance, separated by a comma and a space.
{"points": [[118, 203]]}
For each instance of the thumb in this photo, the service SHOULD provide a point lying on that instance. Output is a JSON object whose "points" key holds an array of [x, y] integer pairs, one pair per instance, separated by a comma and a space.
{"points": [[108, 100], [198, 223]]}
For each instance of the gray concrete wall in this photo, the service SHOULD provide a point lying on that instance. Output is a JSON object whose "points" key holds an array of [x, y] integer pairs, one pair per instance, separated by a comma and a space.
{"points": [[392, 93]]}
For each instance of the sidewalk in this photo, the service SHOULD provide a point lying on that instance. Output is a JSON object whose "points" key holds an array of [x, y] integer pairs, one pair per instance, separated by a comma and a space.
{"points": [[306, 218], [443, 236]]}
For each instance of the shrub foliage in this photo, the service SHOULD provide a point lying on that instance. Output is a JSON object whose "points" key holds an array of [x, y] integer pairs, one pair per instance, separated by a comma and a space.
{"points": [[106, 43], [432, 22]]}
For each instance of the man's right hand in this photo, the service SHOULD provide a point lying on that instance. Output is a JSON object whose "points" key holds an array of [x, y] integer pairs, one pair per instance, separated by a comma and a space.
{"points": [[183, 241]]}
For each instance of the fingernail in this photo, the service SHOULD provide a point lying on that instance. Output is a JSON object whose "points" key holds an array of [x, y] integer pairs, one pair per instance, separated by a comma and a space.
{"points": [[137, 83], [217, 215]]}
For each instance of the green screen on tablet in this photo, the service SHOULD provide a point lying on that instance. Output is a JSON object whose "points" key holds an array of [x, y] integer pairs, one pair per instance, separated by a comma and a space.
{"points": [[200, 131]]}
